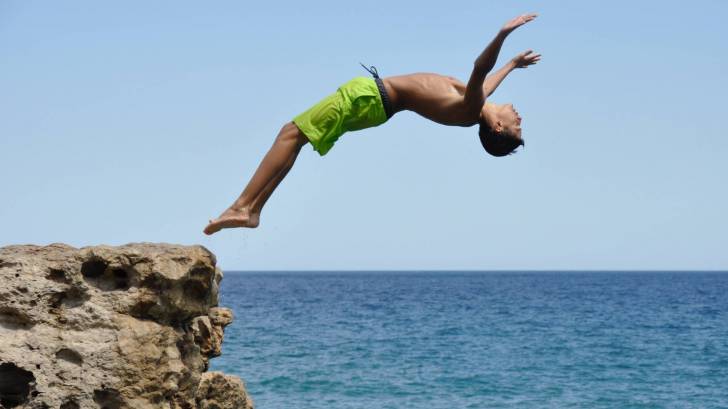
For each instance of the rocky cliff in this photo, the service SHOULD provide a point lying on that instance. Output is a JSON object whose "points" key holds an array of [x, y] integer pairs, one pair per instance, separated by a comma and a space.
{"points": [[112, 327]]}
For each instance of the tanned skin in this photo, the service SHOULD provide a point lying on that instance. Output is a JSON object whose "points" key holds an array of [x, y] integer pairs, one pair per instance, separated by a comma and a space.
{"points": [[439, 98]]}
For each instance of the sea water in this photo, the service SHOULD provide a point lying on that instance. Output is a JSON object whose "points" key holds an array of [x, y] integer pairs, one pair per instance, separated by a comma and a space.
{"points": [[478, 340]]}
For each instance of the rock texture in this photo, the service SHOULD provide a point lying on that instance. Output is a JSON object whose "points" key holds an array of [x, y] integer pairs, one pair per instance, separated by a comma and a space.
{"points": [[112, 327]]}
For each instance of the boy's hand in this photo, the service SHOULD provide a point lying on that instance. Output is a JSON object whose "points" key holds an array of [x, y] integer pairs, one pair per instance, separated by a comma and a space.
{"points": [[525, 59], [517, 22]]}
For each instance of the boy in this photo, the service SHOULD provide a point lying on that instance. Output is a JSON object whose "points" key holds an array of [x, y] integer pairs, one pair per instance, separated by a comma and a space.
{"points": [[368, 102]]}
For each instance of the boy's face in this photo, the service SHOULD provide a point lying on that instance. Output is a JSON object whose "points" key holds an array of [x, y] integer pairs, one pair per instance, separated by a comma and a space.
{"points": [[504, 118]]}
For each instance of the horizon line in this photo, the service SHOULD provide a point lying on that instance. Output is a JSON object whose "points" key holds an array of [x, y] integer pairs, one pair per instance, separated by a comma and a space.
{"points": [[479, 271]]}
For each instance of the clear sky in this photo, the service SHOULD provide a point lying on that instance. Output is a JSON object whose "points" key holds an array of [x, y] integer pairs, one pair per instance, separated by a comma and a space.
{"points": [[138, 121]]}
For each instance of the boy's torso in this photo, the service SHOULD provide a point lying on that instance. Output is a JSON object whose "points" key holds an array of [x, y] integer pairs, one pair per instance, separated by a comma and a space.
{"points": [[436, 97]]}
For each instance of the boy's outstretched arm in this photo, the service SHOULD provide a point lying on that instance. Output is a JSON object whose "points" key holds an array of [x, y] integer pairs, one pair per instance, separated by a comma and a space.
{"points": [[486, 60], [522, 60]]}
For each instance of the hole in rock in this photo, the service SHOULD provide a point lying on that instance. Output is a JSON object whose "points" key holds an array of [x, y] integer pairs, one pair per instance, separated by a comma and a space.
{"points": [[153, 283], [195, 290], [56, 299], [120, 278], [57, 275], [70, 404], [75, 298], [108, 398], [204, 332], [15, 385], [69, 355], [97, 273], [200, 272], [93, 268], [14, 319], [70, 299], [144, 310]]}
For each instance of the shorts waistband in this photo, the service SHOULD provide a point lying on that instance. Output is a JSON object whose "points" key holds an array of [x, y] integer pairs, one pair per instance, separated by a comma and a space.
{"points": [[382, 90]]}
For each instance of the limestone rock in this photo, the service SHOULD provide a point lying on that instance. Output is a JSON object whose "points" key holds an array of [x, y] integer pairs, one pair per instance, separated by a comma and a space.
{"points": [[220, 391], [112, 327]]}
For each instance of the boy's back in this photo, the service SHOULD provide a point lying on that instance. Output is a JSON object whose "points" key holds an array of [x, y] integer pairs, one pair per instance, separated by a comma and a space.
{"points": [[436, 97]]}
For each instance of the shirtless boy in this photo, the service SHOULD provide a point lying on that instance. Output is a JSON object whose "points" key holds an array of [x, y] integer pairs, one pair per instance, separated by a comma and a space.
{"points": [[368, 102]]}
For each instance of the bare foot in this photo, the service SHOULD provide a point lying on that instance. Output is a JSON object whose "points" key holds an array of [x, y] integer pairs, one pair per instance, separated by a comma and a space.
{"points": [[233, 218]]}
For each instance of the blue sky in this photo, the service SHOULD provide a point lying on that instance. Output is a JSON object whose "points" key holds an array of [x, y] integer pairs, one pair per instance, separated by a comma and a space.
{"points": [[138, 121]]}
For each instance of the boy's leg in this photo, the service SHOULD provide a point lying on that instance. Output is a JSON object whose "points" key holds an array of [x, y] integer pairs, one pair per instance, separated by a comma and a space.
{"points": [[245, 211]]}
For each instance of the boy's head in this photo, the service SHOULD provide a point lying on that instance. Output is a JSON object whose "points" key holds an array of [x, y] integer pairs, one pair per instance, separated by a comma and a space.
{"points": [[500, 129]]}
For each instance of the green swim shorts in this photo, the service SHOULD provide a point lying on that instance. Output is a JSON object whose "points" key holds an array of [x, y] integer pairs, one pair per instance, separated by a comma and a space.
{"points": [[355, 105]]}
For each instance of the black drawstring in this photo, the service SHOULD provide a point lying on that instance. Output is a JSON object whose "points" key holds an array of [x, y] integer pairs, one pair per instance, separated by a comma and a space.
{"points": [[382, 90], [372, 70]]}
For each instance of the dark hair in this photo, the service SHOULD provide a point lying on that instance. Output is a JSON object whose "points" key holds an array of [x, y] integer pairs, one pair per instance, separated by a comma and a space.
{"points": [[497, 143]]}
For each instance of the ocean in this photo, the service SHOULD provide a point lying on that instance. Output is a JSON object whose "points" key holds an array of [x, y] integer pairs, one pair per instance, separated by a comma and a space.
{"points": [[478, 340]]}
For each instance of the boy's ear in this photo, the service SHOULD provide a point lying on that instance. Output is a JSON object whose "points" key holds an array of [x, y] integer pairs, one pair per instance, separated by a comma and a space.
{"points": [[498, 127]]}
